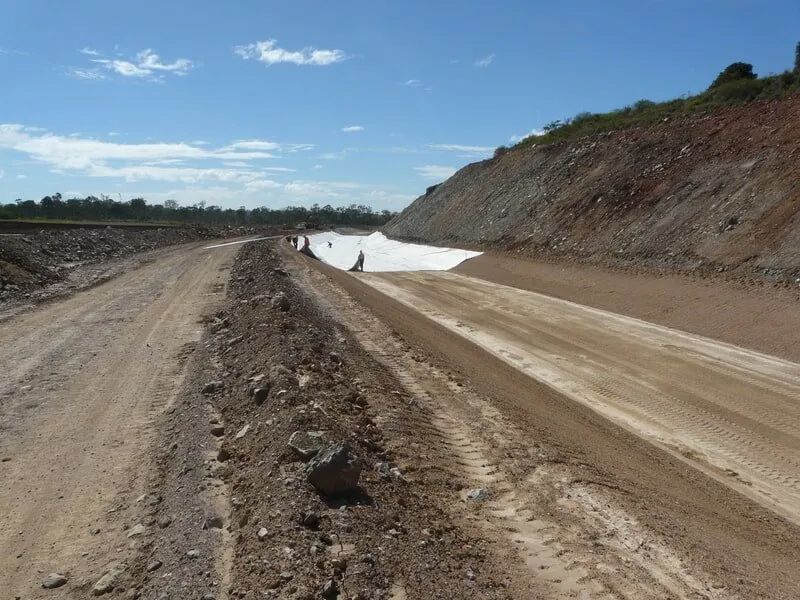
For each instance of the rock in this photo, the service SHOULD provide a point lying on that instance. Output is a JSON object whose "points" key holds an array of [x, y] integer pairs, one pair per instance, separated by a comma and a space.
{"points": [[334, 470], [213, 522], [165, 521], [193, 554], [154, 565], [330, 590], [108, 581], [309, 520], [217, 430], [212, 387], [223, 454], [280, 301], [242, 432], [478, 494], [54, 580], [279, 271], [260, 394], [137, 529], [306, 444], [262, 534]]}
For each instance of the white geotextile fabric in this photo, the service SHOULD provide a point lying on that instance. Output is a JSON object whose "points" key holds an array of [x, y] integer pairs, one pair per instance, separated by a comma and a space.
{"points": [[383, 254]]}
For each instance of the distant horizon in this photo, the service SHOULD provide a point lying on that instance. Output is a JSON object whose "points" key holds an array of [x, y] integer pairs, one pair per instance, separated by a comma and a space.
{"points": [[280, 105]]}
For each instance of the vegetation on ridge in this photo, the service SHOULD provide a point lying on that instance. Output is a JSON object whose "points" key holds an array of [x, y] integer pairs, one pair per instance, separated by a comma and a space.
{"points": [[736, 84]]}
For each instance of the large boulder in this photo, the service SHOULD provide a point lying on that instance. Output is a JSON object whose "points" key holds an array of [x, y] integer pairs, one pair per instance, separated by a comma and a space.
{"points": [[335, 470]]}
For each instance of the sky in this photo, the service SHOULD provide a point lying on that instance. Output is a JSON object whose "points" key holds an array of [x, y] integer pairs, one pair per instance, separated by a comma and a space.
{"points": [[267, 103]]}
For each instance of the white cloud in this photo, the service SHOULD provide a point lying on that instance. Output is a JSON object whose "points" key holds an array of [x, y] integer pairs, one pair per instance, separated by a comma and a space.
{"points": [[12, 52], [134, 162], [352, 128], [317, 167], [145, 65], [269, 53], [86, 74], [22, 176], [518, 138], [438, 172], [485, 61], [462, 148], [413, 83], [2, 173]]}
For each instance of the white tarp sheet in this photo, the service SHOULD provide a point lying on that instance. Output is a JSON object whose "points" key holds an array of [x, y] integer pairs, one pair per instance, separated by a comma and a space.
{"points": [[383, 254]]}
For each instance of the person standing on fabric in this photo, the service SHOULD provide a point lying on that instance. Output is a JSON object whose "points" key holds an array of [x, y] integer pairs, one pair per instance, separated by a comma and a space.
{"points": [[359, 266]]}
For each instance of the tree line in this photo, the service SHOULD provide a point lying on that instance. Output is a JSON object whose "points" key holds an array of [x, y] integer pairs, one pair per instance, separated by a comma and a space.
{"points": [[104, 208]]}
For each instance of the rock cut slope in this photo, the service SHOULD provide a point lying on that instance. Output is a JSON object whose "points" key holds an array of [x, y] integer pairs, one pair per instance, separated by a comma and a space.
{"points": [[716, 192]]}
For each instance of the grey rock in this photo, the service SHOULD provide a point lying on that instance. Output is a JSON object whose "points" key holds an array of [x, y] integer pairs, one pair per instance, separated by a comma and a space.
{"points": [[306, 444], [242, 432], [137, 529], [478, 494], [213, 522], [212, 387], [223, 454], [334, 470], [281, 302], [330, 590], [260, 394], [262, 534], [108, 581], [193, 554], [165, 521], [154, 565], [54, 580], [217, 430]]}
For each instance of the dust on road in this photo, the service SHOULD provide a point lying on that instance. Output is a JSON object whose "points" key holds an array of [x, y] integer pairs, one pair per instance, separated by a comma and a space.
{"points": [[83, 379]]}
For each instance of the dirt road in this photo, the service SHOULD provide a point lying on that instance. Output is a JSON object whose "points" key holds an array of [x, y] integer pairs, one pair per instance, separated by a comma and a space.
{"points": [[83, 380], [733, 412]]}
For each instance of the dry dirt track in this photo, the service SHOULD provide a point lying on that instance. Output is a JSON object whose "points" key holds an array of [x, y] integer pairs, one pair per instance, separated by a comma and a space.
{"points": [[82, 380], [733, 412]]}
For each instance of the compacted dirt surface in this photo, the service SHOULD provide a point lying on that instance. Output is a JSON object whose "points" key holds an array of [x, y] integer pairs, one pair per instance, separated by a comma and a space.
{"points": [[146, 429], [83, 381]]}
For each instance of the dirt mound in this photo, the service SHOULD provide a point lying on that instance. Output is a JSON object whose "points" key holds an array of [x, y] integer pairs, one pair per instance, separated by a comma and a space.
{"points": [[709, 193], [282, 366]]}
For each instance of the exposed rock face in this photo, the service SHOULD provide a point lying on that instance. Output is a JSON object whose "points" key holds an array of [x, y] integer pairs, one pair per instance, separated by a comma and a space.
{"points": [[716, 191]]}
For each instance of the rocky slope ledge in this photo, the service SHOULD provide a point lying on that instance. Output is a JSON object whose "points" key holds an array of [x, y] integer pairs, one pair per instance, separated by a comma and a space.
{"points": [[718, 192]]}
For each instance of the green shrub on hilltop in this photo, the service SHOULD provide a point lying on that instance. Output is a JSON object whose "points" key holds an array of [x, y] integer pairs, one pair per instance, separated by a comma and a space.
{"points": [[736, 84]]}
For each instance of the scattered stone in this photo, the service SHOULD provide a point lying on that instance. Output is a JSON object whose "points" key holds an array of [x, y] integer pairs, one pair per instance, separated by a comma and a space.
{"points": [[260, 394], [279, 271], [217, 430], [335, 470], [108, 581], [213, 522], [137, 529], [53, 581], [280, 301], [165, 521], [212, 387], [242, 432], [262, 534], [286, 576], [478, 494], [309, 519], [193, 554], [330, 590], [306, 443], [223, 454], [154, 565]]}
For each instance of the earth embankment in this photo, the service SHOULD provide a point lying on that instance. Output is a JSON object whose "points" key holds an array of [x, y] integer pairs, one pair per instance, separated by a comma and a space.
{"points": [[710, 193]]}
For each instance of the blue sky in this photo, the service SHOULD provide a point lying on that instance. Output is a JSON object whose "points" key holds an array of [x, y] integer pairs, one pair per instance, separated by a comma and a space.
{"points": [[277, 103]]}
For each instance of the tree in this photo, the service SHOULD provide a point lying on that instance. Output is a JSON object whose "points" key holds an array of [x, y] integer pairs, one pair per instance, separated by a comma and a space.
{"points": [[499, 151], [797, 59], [734, 72]]}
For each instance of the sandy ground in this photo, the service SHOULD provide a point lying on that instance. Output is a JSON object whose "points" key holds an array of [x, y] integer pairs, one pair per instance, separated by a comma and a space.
{"points": [[637, 519], [754, 315], [720, 406], [83, 381]]}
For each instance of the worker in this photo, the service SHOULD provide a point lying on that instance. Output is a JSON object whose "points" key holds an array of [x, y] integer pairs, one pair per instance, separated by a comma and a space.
{"points": [[359, 266], [330, 244]]}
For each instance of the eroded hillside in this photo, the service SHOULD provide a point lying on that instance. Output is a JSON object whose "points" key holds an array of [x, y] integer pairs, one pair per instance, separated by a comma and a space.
{"points": [[719, 192]]}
